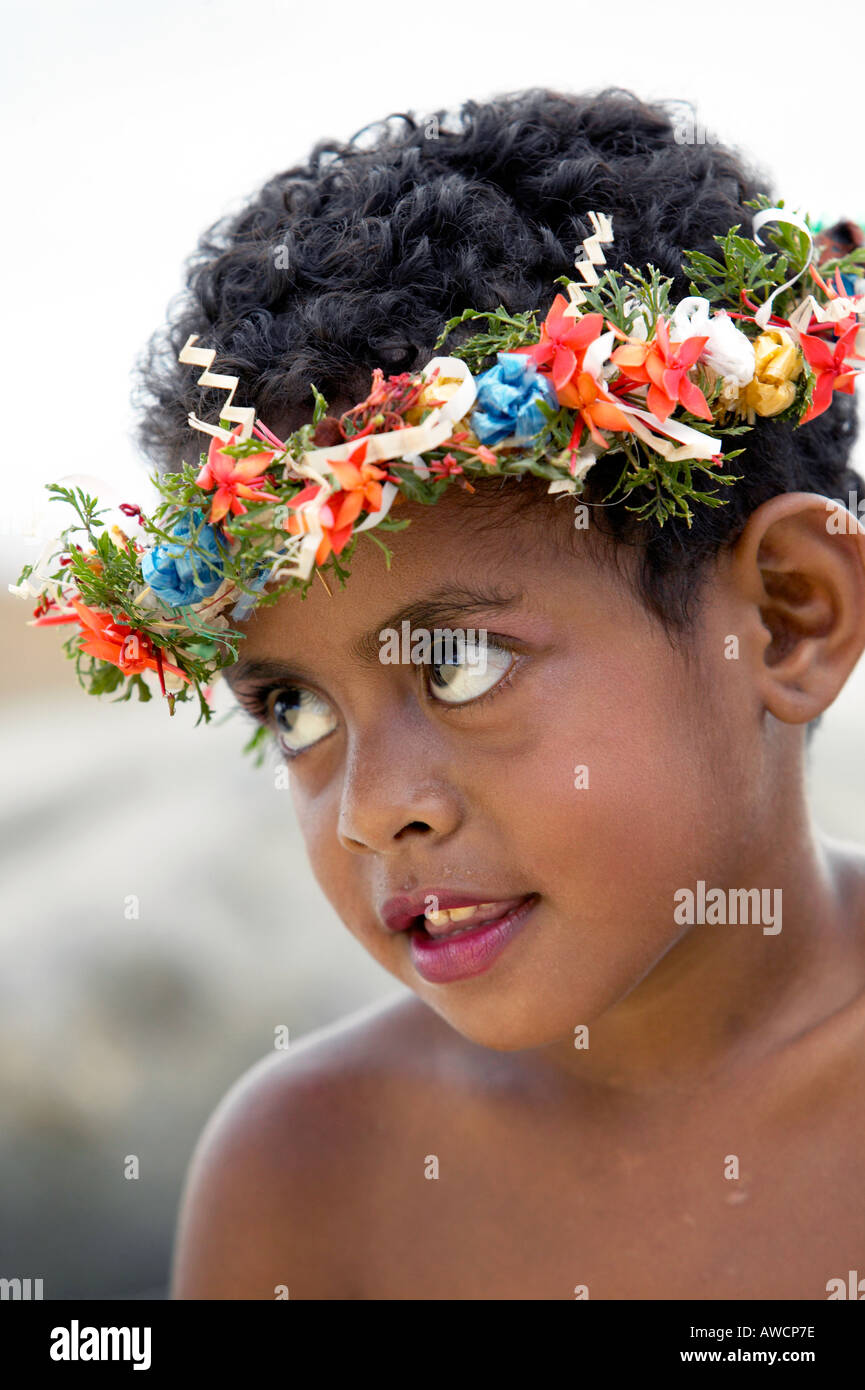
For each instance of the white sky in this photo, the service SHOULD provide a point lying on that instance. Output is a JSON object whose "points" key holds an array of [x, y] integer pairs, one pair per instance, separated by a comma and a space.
{"points": [[129, 128]]}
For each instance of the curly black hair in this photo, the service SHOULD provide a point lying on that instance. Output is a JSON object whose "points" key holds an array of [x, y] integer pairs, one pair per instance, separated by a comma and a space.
{"points": [[357, 257]]}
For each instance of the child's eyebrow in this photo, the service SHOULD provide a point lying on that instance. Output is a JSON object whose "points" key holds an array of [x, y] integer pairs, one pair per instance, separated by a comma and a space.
{"points": [[447, 605]]}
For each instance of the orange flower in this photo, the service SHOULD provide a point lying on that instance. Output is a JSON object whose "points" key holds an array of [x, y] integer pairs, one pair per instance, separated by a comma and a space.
{"points": [[231, 478], [664, 365], [335, 517], [360, 483], [108, 639], [323, 519], [595, 409]]}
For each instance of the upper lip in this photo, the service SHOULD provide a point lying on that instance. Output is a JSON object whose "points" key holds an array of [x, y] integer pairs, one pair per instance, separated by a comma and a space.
{"points": [[401, 911]]}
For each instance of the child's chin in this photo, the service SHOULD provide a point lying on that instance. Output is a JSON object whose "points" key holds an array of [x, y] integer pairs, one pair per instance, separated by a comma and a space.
{"points": [[498, 1025]]}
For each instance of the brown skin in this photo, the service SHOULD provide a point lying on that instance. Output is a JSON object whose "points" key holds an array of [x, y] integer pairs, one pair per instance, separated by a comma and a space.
{"points": [[559, 1167]]}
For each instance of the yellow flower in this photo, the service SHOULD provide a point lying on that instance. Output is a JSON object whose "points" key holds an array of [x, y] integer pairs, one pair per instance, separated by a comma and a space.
{"points": [[778, 363], [435, 392]]}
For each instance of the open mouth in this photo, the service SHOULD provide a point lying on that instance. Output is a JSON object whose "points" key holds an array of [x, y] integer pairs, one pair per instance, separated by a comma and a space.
{"points": [[440, 924], [459, 942]]}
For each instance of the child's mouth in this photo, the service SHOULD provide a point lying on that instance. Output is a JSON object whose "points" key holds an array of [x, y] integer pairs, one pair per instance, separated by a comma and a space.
{"points": [[455, 943], [453, 921]]}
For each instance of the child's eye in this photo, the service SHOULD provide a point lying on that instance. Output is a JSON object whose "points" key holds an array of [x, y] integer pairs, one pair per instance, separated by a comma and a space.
{"points": [[469, 674], [301, 718]]}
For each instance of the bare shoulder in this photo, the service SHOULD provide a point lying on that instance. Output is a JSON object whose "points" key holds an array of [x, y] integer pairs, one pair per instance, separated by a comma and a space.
{"points": [[287, 1161]]}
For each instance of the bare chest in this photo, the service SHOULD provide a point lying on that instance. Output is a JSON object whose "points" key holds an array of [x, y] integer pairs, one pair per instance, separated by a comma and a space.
{"points": [[734, 1201]]}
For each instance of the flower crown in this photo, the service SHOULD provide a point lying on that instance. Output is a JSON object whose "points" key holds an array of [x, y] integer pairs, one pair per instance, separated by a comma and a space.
{"points": [[614, 368]]}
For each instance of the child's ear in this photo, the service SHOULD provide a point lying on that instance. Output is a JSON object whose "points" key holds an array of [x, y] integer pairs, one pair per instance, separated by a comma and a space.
{"points": [[799, 566]]}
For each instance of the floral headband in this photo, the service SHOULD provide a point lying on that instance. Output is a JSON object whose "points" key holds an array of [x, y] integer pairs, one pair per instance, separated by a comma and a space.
{"points": [[615, 368]]}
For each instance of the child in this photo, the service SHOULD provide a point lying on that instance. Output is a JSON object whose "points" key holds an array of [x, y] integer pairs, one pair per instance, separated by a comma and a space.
{"points": [[630, 1056]]}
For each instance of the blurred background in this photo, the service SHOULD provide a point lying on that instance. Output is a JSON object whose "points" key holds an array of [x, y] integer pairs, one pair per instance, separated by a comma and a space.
{"points": [[158, 918]]}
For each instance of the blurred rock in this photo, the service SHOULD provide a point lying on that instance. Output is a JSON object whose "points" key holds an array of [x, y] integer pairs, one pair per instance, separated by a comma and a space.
{"points": [[118, 1035]]}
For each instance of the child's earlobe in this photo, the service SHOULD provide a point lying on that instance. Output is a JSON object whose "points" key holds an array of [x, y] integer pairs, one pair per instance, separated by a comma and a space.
{"points": [[802, 575]]}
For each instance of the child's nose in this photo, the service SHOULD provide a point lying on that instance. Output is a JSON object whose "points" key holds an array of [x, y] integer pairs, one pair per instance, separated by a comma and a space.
{"points": [[395, 788]]}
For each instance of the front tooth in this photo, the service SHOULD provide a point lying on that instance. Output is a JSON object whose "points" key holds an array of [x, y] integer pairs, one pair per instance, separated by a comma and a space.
{"points": [[460, 914], [441, 917]]}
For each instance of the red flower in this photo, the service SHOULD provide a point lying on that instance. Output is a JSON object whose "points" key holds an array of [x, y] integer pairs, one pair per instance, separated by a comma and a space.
{"points": [[832, 371], [560, 354], [446, 467], [664, 365], [563, 342], [486, 455], [231, 478]]}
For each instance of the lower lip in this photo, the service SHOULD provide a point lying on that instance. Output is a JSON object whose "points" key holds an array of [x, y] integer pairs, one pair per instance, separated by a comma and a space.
{"points": [[440, 960]]}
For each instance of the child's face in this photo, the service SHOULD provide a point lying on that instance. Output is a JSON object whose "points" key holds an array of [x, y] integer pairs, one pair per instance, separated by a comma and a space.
{"points": [[399, 791]]}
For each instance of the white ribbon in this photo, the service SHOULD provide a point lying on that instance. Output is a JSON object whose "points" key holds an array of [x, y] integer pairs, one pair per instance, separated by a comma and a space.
{"points": [[303, 549], [693, 443], [563, 485], [837, 308], [763, 314], [578, 468], [415, 439]]}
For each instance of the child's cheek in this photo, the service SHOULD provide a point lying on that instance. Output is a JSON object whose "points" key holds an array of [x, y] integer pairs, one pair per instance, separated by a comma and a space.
{"points": [[617, 811]]}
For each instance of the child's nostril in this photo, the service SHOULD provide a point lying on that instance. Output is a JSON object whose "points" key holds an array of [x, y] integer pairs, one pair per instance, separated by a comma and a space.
{"points": [[413, 825]]}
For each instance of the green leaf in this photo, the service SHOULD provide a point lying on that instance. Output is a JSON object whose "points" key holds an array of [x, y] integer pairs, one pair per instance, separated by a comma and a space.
{"points": [[257, 745], [321, 406], [505, 332], [388, 553]]}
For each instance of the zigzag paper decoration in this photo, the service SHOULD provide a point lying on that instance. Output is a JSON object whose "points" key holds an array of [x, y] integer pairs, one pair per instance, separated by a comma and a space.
{"points": [[244, 415], [603, 233]]}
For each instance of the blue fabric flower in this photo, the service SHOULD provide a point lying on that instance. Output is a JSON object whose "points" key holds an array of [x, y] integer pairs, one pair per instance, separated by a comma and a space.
{"points": [[178, 575], [507, 400]]}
